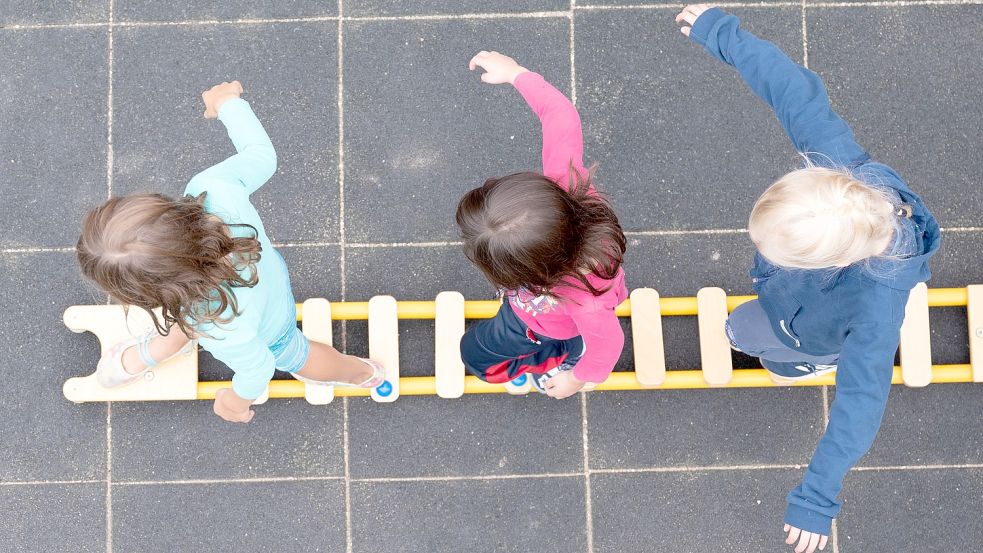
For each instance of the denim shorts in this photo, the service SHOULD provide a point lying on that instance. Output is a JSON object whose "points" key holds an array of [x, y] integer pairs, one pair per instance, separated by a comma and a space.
{"points": [[291, 350]]}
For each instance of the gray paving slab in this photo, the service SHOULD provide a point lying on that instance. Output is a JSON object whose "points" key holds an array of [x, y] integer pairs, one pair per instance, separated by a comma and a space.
{"points": [[54, 517], [230, 517], [473, 436], [446, 132], [679, 265], [45, 437], [950, 335], [938, 424], [923, 510], [518, 515], [33, 12], [433, 7], [149, 10], [409, 273], [681, 141], [912, 100], [54, 133], [672, 428], [186, 440], [691, 512], [957, 262], [315, 272], [288, 71]]}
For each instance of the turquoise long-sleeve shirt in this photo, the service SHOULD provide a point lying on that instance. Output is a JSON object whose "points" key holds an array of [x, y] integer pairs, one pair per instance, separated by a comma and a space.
{"points": [[857, 311], [267, 310]]}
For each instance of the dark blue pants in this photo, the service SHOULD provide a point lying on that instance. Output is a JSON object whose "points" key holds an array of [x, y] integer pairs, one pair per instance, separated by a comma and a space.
{"points": [[501, 348], [750, 331]]}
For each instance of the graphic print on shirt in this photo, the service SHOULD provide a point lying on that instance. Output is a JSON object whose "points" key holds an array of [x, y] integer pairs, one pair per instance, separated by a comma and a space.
{"points": [[534, 305]]}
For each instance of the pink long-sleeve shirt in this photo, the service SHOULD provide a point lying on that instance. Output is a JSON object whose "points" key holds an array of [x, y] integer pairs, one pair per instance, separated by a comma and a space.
{"points": [[570, 311]]}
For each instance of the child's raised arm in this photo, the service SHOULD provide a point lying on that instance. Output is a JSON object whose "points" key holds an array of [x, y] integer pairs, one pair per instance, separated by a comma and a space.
{"points": [[255, 161], [795, 93], [563, 140]]}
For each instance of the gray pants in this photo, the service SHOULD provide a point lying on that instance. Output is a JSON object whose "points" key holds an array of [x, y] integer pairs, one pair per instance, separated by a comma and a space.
{"points": [[750, 331]]}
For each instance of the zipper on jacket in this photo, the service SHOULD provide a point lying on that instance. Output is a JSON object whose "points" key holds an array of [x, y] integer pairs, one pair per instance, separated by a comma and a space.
{"points": [[781, 323]]}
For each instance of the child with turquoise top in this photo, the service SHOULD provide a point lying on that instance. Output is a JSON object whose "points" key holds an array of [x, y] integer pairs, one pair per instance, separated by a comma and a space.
{"points": [[206, 262]]}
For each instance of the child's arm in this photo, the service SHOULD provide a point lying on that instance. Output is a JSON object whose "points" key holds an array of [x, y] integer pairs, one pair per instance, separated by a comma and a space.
{"points": [[863, 379], [795, 93], [563, 140], [604, 339], [255, 161], [237, 346]]}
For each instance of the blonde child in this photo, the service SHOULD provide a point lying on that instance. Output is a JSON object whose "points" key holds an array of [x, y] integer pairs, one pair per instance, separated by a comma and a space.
{"points": [[554, 248], [840, 243], [206, 261]]}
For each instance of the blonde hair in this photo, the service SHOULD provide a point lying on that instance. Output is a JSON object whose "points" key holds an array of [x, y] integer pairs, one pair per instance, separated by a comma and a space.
{"points": [[818, 218]]}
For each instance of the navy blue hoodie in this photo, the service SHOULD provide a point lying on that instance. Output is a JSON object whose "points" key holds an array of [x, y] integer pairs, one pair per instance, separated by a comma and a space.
{"points": [[856, 311]]}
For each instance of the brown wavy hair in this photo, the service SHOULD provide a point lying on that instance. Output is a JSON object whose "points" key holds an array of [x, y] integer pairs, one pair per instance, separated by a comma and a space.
{"points": [[150, 251], [524, 231]]}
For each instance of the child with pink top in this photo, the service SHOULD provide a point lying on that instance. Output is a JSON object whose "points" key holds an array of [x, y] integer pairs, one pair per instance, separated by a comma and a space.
{"points": [[554, 248]]}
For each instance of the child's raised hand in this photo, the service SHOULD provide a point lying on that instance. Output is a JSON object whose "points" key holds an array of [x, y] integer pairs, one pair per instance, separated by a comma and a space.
{"points": [[689, 15], [215, 96], [499, 68]]}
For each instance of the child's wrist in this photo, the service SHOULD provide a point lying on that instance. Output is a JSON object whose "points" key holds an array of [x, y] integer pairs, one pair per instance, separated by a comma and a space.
{"points": [[221, 101], [519, 71]]}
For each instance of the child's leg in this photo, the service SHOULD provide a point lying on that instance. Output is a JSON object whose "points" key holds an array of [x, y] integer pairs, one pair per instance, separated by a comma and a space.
{"points": [[161, 347], [749, 330], [326, 364], [501, 348]]}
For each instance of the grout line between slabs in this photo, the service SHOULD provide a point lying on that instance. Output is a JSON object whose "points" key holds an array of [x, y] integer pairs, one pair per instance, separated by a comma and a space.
{"points": [[346, 449], [109, 477], [467, 478], [396, 479], [109, 195], [50, 482], [588, 500], [203, 481], [342, 262], [475, 16]]}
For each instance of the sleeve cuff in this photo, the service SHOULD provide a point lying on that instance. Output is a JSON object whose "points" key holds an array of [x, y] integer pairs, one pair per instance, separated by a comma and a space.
{"points": [[808, 520], [230, 106], [586, 375], [525, 79], [704, 24], [248, 389]]}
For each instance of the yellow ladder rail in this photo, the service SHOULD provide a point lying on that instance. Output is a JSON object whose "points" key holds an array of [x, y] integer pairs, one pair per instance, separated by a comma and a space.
{"points": [[177, 379]]}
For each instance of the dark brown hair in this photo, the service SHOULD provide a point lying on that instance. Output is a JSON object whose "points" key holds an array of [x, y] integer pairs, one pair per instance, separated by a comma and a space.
{"points": [[524, 231], [149, 251]]}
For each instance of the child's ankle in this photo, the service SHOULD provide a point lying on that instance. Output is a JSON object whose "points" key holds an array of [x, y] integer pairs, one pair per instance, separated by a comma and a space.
{"points": [[132, 363]]}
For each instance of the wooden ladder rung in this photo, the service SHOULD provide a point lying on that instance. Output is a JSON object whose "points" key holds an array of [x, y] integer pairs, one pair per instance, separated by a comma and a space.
{"points": [[175, 379], [916, 340], [449, 328], [384, 345], [974, 316], [646, 337], [711, 308], [317, 327]]}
